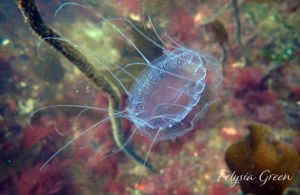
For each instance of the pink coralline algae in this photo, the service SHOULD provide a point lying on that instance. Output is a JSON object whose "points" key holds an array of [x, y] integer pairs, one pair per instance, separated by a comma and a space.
{"points": [[173, 180], [182, 27], [52, 180], [220, 188], [251, 96], [35, 133]]}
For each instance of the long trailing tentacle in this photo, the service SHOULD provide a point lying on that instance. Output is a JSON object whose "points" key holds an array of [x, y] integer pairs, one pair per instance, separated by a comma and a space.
{"points": [[41, 29]]}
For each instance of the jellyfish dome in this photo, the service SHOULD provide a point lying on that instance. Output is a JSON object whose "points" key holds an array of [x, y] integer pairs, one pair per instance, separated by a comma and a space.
{"points": [[173, 92]]}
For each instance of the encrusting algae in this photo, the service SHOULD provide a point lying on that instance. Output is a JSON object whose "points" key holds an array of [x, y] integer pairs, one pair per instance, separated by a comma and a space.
{"points": [[262, 164]]}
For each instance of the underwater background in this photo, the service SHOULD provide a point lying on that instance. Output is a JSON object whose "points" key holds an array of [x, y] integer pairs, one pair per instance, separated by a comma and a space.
{"points": [[253, 127]]}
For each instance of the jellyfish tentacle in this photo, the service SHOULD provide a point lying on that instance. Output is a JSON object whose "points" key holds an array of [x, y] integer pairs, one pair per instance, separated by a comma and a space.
{"points": [[71, 141], [43, 30]]}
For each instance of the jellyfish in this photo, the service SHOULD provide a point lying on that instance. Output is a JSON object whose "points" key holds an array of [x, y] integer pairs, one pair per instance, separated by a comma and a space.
{"points": [[168, 97]]}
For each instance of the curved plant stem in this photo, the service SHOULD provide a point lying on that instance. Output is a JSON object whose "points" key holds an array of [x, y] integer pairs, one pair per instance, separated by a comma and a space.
{"points": [[238, 32], [224, 57], [42, 30]]}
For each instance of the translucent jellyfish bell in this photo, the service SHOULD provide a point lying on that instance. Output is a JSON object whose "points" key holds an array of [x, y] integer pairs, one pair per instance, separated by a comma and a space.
{"points": [[173, 93], [168, 97]]}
